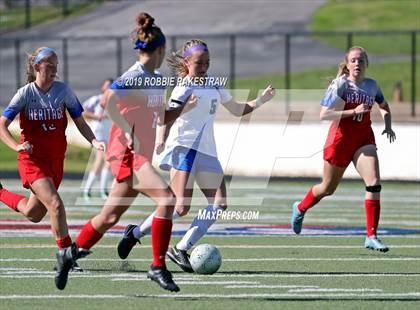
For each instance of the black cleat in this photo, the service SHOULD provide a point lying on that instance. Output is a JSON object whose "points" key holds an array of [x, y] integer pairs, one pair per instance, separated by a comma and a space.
{"points": [[163, 277], [74, 268], [65, 261], [127, 242], [1, 186], [181, 258]]}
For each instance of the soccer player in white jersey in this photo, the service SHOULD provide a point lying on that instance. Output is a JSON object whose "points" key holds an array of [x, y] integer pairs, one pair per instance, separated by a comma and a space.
{"points": [[42, 105], [191, 154], [101, 125], [348, 103]]}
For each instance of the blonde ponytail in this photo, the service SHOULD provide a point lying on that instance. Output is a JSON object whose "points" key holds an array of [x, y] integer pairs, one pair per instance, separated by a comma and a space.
{"points": [[176, 60]]}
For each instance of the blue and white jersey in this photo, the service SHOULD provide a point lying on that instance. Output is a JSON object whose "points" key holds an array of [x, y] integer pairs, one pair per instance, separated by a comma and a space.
{"points": [[43, 117], [195, 129], [344, 90], [100, 128], [367, 92]]}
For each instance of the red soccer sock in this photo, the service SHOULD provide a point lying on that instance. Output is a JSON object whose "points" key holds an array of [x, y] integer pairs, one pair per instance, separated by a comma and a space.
{"points": [[88, 236], [64, 242], [373, 212], [308, 202], [10, 199], [161, 235]]}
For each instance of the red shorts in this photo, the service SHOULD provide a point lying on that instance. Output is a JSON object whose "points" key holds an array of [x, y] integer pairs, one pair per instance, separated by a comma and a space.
{"points": [[33, 168], [123, 167], [340, 153]]}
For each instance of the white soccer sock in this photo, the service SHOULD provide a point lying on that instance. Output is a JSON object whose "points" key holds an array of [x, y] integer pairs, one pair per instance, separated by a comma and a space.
{"points": [[199, 227], [145, 227], [105, 174], [89, 182]]}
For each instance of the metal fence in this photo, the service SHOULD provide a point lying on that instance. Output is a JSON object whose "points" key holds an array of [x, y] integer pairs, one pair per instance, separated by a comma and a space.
{"points": [[86, 61], [27, 8]]}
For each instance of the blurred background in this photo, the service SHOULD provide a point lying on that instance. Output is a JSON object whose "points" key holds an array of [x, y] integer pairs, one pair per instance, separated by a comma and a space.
{"points": [[294, 45]]}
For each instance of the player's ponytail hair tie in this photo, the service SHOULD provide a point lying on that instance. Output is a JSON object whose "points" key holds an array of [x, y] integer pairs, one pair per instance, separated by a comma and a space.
{"points": [[150, 46], [195, 48], [44, 52]]}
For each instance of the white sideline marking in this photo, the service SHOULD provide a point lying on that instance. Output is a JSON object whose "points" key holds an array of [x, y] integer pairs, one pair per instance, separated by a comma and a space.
{"points": [[262, 259], [334, 290], [271, 286], [243, 246], [218, 296], [239, 275]]}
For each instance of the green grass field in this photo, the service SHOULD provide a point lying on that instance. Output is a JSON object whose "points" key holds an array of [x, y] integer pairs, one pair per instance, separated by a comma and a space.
{"points": [[258, 271], [387, 74], [341, 15], [14, 18]]}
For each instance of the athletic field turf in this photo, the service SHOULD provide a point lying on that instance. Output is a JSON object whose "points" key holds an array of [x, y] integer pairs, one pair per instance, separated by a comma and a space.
{"points": [[264, 265]]}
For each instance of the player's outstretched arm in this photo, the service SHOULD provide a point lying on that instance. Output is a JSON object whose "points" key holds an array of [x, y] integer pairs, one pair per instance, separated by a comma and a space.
{"points": [[8, 139], [243, 108], [386, 115], [86, 132]]}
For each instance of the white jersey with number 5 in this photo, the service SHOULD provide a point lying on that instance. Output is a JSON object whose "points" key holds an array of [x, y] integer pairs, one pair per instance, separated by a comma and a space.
{"points": [[194, 129]]}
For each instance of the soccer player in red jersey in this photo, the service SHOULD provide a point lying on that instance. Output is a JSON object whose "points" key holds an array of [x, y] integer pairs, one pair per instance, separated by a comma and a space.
{"points": [[348, 102], [136, 107], [42, 105]]}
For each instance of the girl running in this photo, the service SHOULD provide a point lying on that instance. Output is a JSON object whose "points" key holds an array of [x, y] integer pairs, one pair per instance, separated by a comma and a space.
{"points": [[136, 110], [348, 102], [191, 154], [42, 105]]}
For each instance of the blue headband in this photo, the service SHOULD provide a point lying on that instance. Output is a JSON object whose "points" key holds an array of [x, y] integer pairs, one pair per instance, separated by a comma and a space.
{"points": [[44, 53], [142, 45], [198, 47]]}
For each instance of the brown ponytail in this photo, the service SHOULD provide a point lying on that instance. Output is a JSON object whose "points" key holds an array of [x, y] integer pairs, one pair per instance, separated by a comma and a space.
{"points": [[30, 72], [176, 59], [146, 31]]}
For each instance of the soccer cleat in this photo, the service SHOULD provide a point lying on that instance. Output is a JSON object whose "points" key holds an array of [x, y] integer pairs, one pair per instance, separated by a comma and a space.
{"points": [[74, 268], [87, 195], [1, 186], [374, 243], [104, 195], [297, 218], [181, 258], [82, 253], [65, 261], [163, 277], [127, 242]]}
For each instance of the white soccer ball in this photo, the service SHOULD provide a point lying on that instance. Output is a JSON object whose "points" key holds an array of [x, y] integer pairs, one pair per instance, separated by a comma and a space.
{"points": [[206, 259]]}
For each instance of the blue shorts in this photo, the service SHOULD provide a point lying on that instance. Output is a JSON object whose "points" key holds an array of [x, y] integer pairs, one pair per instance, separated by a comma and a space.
{"points": [[185, 159]]}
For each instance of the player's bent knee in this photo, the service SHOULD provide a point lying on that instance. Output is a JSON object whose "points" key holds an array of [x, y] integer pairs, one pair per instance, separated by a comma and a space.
{"points": [[374, 188]]}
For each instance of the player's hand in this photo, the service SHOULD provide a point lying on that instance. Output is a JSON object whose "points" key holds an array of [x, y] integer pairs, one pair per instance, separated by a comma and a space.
{"points": [[130, 142], [190, 104], [268, 94], [361, 109], [100, 146], [390, 134], [159, 147], [24, 147]]}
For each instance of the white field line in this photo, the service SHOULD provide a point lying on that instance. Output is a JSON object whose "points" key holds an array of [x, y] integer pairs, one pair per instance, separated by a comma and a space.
{"points": [[234, 260], [415, 295], [238, 285], [334, 290], [276, 237], [242, 246], [224, 276]]}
